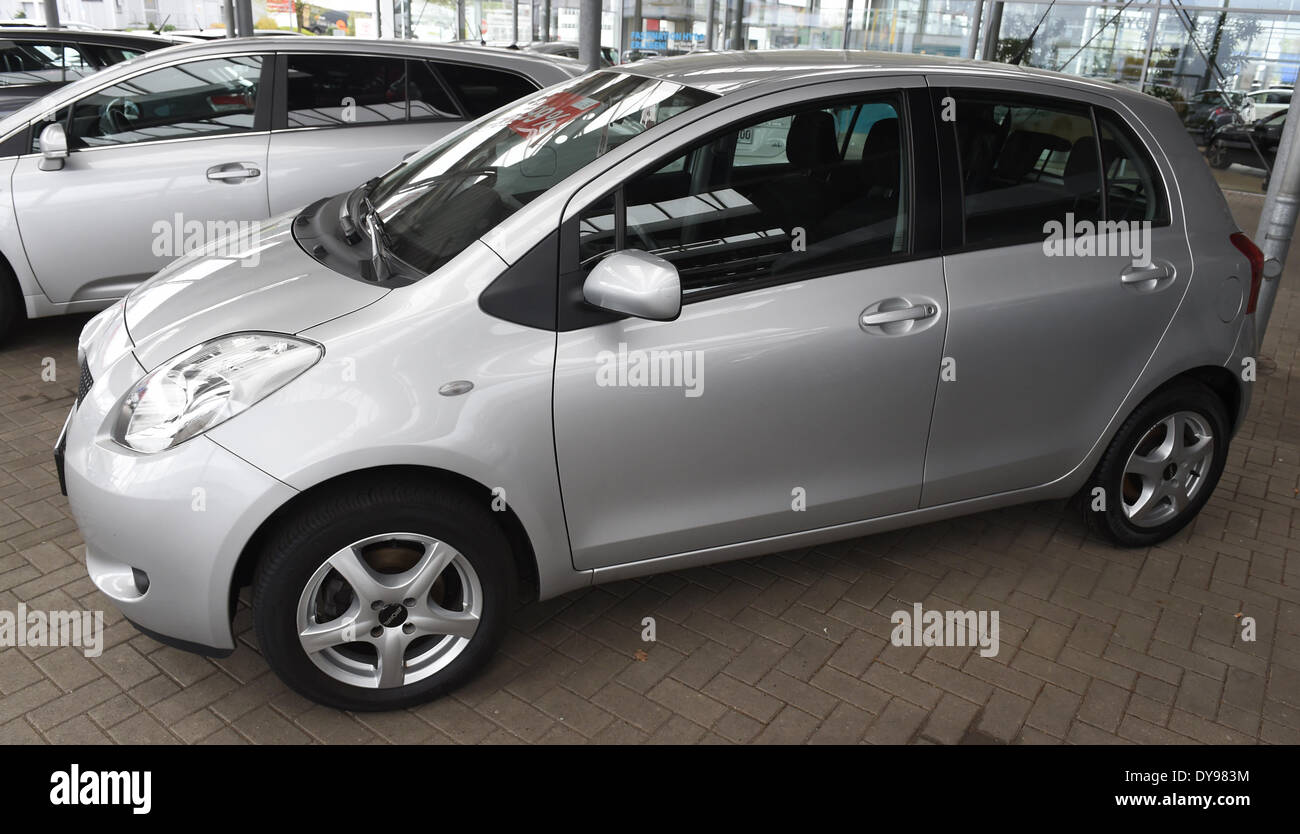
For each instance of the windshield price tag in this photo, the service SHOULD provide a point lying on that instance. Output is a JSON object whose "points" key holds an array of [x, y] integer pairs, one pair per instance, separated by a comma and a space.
{"points": [[553, 111]]}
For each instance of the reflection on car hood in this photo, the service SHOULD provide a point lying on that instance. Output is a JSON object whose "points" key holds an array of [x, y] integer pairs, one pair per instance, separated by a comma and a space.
{"points": [[259, 279]]}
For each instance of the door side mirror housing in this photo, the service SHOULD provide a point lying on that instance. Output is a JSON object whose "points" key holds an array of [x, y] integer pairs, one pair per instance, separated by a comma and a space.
{"points": [[54, 147], [637, 284]]}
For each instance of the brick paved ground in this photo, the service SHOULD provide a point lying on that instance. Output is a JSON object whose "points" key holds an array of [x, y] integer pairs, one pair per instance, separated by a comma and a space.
{"points": [[1098, 644]]}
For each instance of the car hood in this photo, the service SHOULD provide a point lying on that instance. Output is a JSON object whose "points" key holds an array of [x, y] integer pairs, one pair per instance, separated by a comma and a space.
{"points": [[258, 279]]}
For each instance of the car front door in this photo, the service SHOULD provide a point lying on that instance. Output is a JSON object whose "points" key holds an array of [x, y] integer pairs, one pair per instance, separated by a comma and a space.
{"points": [[1053, 316], [158, 163], [794, 390], [349, 117]]}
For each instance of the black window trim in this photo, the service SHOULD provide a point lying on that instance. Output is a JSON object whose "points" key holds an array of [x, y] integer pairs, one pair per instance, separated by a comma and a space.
{"points": [[954, 192], [917, 135]]}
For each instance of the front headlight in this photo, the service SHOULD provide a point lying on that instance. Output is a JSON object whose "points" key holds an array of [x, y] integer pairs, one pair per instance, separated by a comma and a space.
{"points": [[208, 385]]}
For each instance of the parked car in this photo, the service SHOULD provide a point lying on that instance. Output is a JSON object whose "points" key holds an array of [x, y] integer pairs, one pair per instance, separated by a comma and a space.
{"points": [[482, 376], [1233, 144], [192, 136], [35, 62], [608, 55], [1211, 110], [1269, 101], [74, 25], [195, 35]]}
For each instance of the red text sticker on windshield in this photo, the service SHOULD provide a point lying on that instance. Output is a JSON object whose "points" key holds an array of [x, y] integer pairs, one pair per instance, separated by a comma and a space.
{"points": [[551, 112]]}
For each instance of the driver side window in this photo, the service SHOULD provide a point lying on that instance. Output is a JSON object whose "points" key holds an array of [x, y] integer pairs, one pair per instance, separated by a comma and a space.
{"points": [[211, 97]]}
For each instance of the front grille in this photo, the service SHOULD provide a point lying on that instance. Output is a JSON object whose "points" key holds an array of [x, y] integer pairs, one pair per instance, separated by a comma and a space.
{"points": [[83, 384]]}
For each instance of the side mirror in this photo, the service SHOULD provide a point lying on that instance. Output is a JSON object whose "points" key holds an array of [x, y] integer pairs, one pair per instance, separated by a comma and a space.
{"points": [[636, 283], [54, 147]]}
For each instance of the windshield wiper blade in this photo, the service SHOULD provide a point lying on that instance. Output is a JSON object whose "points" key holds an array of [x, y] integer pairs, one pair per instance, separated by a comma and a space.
{"points": [[379, 241], [351, 234]]}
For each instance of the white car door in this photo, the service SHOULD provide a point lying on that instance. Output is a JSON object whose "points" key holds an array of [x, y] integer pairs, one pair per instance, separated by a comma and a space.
{"points": [[158, 163]]}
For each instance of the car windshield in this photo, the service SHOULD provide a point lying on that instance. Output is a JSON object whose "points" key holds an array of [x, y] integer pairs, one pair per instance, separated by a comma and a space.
{"points": [[453, 192]]}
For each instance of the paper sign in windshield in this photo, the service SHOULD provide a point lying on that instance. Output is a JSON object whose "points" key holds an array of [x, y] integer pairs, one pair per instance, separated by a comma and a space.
{"points": [[551, 112]]}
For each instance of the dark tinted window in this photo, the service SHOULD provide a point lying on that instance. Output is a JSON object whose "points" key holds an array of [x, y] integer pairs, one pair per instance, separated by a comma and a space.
{"points": [[329, 90], [1133, 187], [483, 90], [428, 98], [729, 212], [1023, 165], [40, 62]]}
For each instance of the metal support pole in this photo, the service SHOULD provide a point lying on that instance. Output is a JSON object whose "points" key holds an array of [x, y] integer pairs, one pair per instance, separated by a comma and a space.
{"points": [[379, 20], [546, 22], [244, 15], [1277, 222], [52, 14], [228, 15], [589, 33], [848, 23], [991, 32], [460, 20], [973, 42], [514, 22], [740, 25], [710, 22]]}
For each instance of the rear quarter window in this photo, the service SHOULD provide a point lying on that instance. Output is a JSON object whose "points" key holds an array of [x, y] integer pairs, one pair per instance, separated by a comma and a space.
{"points": [[484, 89]]}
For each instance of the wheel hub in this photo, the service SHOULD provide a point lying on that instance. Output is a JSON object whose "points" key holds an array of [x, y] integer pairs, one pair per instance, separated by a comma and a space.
{"points": [[392, 616]]}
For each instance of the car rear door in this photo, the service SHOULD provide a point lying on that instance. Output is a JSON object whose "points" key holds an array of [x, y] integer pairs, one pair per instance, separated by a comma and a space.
{"points": [[1050, 325], [347, 117], [156, 160]]}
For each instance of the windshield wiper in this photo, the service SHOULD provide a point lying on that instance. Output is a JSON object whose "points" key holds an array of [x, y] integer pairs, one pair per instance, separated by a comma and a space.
{"points": [[346, 224], [379, 240]]}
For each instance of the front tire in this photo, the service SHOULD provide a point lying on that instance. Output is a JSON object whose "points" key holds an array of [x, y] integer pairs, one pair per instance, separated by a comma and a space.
{"points": [[383, 595], [1160, 468], [1218, 155]]}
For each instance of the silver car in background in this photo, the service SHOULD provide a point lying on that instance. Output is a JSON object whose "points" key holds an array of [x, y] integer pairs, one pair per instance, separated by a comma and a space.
{"points": [[113, 177], [598, 335]]}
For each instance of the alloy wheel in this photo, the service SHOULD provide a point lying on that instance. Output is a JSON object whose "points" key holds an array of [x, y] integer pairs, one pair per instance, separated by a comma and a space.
{"points": [[1167, 469]]}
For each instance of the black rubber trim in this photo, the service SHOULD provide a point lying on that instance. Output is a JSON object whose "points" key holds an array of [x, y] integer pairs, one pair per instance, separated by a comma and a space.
{"points": [[183, 645], [526, 293]]}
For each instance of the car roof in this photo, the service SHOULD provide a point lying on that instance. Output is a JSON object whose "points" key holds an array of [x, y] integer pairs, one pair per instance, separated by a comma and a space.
{"points": [[32, 33], [728, 72]]}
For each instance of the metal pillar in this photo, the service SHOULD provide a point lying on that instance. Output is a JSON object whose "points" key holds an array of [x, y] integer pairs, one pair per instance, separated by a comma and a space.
{"points": [[710, 21], [52, 14], [848, 23], [1151, 44], [460, 20], [244, 16], [972, 44], [514, 22], [740, 25], [1277, 222], [991, 32], [379, 20], [589, 33], [546, 21], [228, 15]]}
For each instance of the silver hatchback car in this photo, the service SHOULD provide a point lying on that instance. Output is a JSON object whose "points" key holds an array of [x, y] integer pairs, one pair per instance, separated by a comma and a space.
{"points": [[116, 175], [606, 332]]}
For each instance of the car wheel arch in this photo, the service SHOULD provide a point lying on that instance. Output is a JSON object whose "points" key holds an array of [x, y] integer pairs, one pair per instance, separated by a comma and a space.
{"points": [[522, 552]]}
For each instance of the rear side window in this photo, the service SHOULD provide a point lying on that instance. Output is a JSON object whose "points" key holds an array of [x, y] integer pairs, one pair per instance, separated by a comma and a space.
{"points": [[1023, 165], [328, 90], [483, 90], [1133, 188], [40, 62]]}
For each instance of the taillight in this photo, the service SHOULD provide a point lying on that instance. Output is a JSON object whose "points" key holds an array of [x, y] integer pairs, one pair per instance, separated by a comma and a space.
{"points": [[1253, 254], [1218, 111]]}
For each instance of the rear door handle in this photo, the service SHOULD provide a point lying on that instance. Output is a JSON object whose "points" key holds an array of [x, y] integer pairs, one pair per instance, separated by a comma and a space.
{"points": [[913, 313], [232, 171], [1139, 274]]}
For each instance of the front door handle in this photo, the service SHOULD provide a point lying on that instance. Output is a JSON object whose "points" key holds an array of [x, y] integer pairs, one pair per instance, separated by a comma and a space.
{"points": [[913, 313], [232, 171], [1140, 274]]}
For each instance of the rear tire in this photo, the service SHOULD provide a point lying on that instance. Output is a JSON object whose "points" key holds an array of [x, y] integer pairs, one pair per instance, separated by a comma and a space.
{"points": [[1217, 154], [12, 310], [351, 592], [1161, 467]]}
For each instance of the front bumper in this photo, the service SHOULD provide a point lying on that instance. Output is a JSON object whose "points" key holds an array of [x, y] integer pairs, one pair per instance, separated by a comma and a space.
{"points": [[178, 519]]}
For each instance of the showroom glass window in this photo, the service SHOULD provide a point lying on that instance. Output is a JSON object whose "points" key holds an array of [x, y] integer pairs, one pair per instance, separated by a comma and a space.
{"points": [[812, 190], [211, 97]]}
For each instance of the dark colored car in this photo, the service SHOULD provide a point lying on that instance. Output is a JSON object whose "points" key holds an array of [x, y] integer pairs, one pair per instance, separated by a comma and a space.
{"points": [[1233, 144], [1211, 110], [35, 62]]}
